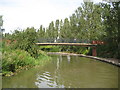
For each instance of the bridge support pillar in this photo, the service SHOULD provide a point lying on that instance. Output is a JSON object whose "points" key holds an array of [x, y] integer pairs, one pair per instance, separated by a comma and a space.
{"points": [[94, 52]]}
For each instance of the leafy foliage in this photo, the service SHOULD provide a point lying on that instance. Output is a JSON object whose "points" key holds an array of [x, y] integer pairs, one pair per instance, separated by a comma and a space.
{"points": [[25, 40], [19, 50]]}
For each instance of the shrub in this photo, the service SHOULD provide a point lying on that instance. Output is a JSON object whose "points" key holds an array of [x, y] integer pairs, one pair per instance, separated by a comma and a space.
{"points": [[11, 60]]}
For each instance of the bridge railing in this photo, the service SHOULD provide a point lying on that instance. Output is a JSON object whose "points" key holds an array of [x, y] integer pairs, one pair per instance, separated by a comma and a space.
{"points": [[66, 40]]}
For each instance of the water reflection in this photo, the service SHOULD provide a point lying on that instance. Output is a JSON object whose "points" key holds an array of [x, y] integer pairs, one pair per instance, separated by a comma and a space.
{"points": [[68, 58], [60, 56], [67, 72], [45, 80]]}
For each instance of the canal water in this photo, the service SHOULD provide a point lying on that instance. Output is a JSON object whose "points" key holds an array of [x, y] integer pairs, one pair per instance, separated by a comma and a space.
{"points": [[66, 72]]}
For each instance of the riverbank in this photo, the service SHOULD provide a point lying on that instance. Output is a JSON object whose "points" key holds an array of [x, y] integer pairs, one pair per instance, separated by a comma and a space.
{"points": [[107, 60], [42, 63], [14, 61]]}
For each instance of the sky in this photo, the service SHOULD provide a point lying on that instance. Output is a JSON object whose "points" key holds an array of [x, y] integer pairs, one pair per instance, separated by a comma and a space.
{"points": [[20, 14]]}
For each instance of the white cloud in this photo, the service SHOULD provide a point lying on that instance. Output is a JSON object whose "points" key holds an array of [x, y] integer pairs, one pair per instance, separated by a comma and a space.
{"points": [[27, 13]]}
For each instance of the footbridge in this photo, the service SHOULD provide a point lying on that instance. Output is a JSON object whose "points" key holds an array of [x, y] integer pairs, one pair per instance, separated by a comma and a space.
{"points": [[93, 44], [68, 44]]}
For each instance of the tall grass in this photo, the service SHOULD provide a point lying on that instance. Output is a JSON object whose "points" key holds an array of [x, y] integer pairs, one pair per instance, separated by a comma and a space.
{"points": [[15, 59]]}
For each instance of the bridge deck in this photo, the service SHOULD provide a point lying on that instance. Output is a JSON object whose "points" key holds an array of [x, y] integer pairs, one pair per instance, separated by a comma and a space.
{"points": [[67, 44]]}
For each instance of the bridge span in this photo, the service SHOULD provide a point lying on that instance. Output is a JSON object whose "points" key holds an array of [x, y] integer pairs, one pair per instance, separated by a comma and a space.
{"points": [[68, 44], [94, 53]]}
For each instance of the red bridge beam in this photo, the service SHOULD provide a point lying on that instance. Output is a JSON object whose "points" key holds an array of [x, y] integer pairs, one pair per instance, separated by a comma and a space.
{"points": [[94, 52]]}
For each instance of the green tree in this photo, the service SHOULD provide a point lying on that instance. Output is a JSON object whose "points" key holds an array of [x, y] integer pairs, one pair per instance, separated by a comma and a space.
{"points": [[65, 32], [25, 40], [111, 17], [93, 27], [51, 33], [41, 34]]}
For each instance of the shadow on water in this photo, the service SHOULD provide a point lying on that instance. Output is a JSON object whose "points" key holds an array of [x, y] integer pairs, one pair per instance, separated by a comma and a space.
{"points": [[66, 72]]}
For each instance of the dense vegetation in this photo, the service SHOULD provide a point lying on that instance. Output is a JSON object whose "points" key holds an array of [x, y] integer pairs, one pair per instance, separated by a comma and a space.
{"points": [[20, 52], [89, 22]]}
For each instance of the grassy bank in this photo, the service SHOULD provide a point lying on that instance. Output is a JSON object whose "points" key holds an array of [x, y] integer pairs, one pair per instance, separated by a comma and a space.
{"points": [[19, 51], [15, 60]]}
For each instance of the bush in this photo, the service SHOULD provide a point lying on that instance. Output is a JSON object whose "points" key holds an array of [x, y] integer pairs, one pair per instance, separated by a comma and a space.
{"points": [[11, 60], [24, 40], [15, 59]]}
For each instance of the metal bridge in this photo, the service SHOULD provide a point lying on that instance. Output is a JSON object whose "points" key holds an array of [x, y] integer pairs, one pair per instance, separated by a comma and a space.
{"points": [[70, 42]]}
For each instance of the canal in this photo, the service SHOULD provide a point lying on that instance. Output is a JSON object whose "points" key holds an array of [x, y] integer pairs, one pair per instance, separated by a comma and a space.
{"points": [[66, 72]]}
